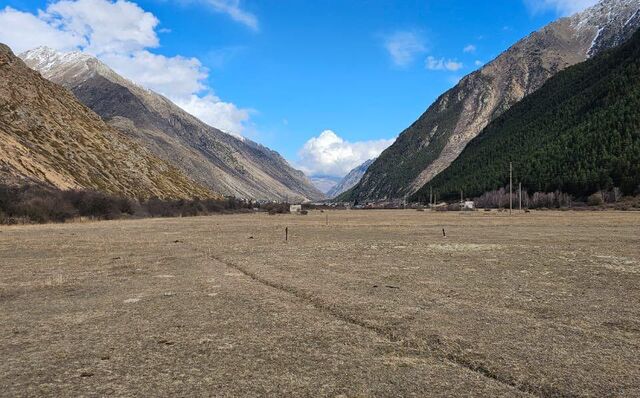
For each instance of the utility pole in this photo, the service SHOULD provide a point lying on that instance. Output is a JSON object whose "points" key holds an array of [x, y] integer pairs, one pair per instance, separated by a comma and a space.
{"points": [[461, 197], [510, 187], [430, 196], [520, 195]]}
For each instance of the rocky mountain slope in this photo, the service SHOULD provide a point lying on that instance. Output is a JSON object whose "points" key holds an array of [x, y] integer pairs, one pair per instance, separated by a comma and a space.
{"points": [[48, 137], [431, 143], [219, 161], [351, 179], [325, 183], [579, 133]]}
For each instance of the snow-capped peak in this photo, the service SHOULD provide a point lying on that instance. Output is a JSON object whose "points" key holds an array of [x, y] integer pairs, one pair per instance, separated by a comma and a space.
{"points": [[603, 13], [44, 58]]}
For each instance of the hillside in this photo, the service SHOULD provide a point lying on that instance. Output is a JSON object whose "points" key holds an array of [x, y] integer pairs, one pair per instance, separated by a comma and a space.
{"points": [[222, 162], [48, 137], [579, 133], [351, 179], [430, 144]]}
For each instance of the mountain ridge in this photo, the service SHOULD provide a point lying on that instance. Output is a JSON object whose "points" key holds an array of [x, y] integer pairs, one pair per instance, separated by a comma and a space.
{"points": [[351, 179], [48, 137], [579, 133], [227, 164], [440, 134]]}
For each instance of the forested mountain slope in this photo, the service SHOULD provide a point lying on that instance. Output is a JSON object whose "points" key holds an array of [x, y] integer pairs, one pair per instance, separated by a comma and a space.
{"points": [[579, 133], [430, 144]]}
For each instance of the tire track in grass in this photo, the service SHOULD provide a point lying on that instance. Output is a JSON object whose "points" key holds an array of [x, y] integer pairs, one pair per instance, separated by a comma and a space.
{"points": [[389, 335]]}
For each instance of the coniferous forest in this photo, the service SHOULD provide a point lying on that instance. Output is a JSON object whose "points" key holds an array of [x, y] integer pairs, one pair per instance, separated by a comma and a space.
{"points": [[578, 134]]}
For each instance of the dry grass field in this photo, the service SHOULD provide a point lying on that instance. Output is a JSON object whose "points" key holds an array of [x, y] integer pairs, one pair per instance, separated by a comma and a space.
{"points": [[377, 303]]}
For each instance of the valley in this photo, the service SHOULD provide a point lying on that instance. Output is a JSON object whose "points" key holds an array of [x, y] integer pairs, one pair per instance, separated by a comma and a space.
{"points": [[376, 303]]}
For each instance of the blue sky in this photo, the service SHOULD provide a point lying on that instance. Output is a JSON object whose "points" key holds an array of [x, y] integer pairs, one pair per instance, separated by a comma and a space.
{"points": [[327, 83]]}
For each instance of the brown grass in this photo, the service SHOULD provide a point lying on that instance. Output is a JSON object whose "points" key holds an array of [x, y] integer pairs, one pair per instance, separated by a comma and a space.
{"points": [[377, 303]]}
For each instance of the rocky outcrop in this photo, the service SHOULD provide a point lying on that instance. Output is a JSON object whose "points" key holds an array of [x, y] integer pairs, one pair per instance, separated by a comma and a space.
{"points": [[48, 137]]}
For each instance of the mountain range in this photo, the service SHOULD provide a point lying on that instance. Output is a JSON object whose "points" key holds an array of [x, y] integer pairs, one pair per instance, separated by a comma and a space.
{"points": [[69, 121], [352, 178], [226, 164], [579, 133], [437, 138], [48, 137]]}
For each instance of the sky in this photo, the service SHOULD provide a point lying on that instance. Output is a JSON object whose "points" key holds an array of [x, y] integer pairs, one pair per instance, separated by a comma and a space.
{"points": [[327, 83]]}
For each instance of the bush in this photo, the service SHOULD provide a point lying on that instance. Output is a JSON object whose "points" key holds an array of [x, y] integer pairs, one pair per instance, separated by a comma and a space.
{"points": [[595, 199], [38, 204], [276, 208]]}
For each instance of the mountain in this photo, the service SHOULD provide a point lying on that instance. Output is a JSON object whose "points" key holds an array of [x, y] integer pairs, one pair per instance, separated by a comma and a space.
{"points": [[431, 143], [230, 165], [48, 137], [325, 183], [351, 179], [579, 133]]}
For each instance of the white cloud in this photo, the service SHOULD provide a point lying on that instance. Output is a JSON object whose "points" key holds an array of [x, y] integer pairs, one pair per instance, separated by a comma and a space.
{"points": [[107, 27], [562, 7], [15, 24], [232, 8], [175, 77], [121, 34], [433, 63], [478, 63], [469, 49], [329, 154], [404, 46], [210, 109]]}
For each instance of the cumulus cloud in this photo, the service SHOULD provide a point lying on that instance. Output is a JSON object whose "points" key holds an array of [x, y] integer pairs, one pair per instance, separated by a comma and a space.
{"points": [[107, 27], [562, 7], [210, 109], [15, 24], [433, 63], [329, 154], [469, 49], [122, 35], [174, 77], [403, 47], [233, 9]]}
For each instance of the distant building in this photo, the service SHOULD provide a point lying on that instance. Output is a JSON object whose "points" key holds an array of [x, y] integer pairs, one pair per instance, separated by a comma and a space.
{"points": [[468, 205], [295, 208]]}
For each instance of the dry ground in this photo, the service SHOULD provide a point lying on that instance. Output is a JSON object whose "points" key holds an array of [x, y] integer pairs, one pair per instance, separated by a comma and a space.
{"points": [[377, 303]]}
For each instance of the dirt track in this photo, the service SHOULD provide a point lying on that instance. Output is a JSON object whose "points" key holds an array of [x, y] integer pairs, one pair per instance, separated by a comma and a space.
{"points": [[377, 303]]}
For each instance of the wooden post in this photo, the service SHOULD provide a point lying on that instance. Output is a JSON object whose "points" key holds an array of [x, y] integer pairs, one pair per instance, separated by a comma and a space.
{"points": [[510, 187], [520, 195], [286, 234], [327, 219], [444, 233]]}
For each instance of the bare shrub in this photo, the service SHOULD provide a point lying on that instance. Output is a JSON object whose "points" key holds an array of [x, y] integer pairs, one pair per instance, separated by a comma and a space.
{"points": [[595, 199], [39, 204]]}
